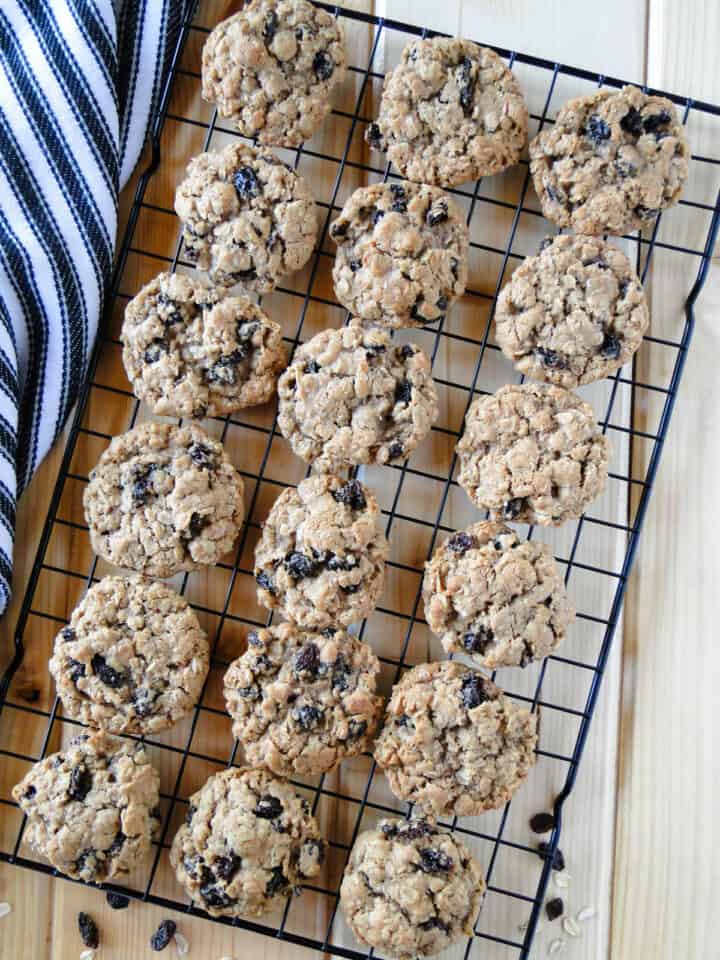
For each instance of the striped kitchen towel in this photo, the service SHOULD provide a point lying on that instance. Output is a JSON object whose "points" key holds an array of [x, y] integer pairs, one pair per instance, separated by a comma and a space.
{"points": [[78, 83]]}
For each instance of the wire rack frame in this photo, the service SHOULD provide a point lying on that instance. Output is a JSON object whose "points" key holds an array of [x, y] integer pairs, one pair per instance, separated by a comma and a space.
{"points": [[641, 487]]}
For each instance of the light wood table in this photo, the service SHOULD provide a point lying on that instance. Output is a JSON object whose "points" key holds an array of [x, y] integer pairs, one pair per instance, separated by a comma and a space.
{"points": [[641, 829]]}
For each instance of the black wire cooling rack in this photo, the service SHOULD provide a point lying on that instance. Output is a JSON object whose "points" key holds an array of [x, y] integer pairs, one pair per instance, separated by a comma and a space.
{"points": [[420, 499]]}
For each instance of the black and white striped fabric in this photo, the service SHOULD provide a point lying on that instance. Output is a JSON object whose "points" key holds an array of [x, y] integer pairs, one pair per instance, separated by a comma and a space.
{"points": [[78, 83]]}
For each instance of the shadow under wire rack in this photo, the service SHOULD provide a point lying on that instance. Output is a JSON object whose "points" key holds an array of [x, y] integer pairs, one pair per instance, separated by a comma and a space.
{"points": [[420, 499]]}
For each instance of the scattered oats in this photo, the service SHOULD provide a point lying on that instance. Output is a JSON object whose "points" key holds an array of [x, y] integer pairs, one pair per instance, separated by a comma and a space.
{"points": [[556, 946], [571, 927], [5, 909], [87, 955], [181, 945], [585, 914], [562, 879]]}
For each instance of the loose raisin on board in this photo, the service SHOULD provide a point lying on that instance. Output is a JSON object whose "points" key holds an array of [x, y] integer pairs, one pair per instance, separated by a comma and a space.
{"points": [[163, 935], [89, 933]]}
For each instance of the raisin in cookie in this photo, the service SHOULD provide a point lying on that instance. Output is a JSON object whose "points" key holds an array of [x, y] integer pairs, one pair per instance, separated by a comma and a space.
{"points": [[321, 558], [573, 313], [453, 743], [450, 112], [247, 842], [191, 351], [610, 162], [272, 67], [532, 453], [133, 658], [302, 701], [92, 808], [402, 254], [410, 890], [352, 396], [248, 218], [163, 499], [497, 598]]}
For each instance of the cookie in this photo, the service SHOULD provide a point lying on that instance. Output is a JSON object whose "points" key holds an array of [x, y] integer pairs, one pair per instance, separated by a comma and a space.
{"points": [[92, 808], [321, 558], [450, 112], [496, 598], [191, 351], [163, 499], [532, 453], [611, 161], [271, 69], [410, 890], [302, 701], [352, 396], [402, 254], [572, 314], [248, 218], [133, 658], [247, 842], [453, 743]]}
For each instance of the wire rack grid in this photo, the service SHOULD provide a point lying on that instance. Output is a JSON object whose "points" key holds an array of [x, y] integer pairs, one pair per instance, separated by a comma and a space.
{"points": [[420, 499]]}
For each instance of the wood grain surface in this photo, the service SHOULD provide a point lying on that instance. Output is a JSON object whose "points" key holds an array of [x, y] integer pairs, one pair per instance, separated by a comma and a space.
{"points": [[640, 830]]}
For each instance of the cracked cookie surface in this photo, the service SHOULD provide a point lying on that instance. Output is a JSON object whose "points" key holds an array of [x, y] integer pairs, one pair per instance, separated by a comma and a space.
{"points": [[303, 701], [533, 453], [410, 889], [191, 351], [163, 499], [321, 557], [133, 658], [610, 162], [496, 598], [453, 743], [352, 396], [271, 69], [402, 254], [450, 112], [248, 218], [247, 843], [572, 314], [92, 808]]}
